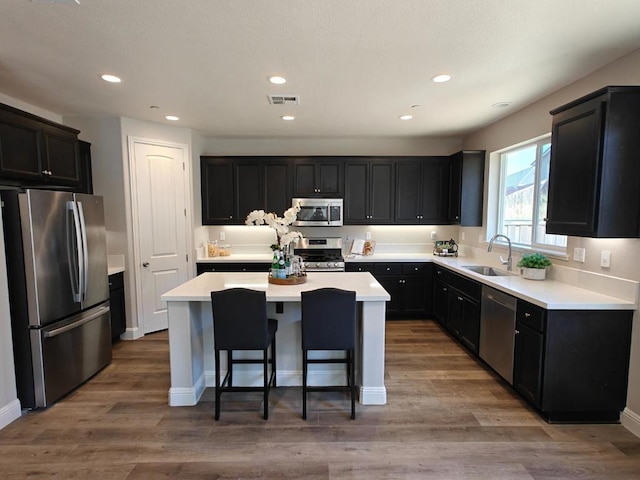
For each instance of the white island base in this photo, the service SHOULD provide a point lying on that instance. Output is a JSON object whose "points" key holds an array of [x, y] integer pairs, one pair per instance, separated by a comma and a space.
{"points": [[191, 334]]}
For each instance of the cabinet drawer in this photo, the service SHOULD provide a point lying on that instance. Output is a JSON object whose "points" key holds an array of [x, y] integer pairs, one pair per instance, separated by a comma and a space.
{"points": [[388, 269], [116, 281], [530, 315], [415, 268], [359, 267], [469, 287], [441, 274]]}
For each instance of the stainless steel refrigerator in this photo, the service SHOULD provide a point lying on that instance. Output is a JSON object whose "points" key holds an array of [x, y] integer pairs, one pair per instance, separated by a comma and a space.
{"points": [[58, 291]]}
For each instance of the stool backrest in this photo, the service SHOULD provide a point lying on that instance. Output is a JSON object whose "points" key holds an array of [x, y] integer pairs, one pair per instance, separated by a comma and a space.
{"points": [[328, 319], [240, 319]]}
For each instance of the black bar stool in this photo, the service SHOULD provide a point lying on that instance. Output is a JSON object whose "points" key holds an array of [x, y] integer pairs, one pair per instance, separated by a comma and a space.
{"points": [[329, 323], [240, 323]]}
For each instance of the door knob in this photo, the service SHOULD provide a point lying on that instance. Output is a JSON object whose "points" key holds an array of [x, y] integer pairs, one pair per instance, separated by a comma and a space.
{"points": [[145, 264]]}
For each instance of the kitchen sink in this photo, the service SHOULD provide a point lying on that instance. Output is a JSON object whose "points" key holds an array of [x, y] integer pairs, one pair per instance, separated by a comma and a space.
{"points": [[488, 271]]}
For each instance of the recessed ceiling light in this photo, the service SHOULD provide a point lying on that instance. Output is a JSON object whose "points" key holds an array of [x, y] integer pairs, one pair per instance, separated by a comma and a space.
{"points": [[288, 118], [277, 80], [110, 78], [443, 77], [406, 117], [173, 118], [501, 104]]}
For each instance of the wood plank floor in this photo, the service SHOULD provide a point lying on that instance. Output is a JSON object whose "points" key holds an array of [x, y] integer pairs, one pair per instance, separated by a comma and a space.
{"points": [[448, 417]]}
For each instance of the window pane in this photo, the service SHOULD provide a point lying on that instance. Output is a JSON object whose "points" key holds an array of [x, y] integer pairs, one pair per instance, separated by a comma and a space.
{"points": [[519, 180], [543, 190]]}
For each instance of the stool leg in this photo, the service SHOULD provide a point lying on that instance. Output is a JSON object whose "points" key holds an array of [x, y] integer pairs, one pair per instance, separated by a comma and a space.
{"points": [[265, 383], [273, 361], [230, 367], [352, 383], [218, 392], [304, 384]]}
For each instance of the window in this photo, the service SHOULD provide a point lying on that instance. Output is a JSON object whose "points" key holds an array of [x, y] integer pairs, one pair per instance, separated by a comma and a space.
{"points": [[522, 202]]}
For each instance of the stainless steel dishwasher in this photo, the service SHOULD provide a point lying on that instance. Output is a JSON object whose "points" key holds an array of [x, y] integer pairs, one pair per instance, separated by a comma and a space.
{"points": [[497, 331]]}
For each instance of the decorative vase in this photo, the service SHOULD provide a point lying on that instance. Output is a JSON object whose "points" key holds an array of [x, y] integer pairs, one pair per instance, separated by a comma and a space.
{"points": [[534, 273]]}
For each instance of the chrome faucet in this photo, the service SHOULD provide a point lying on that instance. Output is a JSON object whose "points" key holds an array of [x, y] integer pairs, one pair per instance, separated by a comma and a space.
{"points": [[506, 262]]}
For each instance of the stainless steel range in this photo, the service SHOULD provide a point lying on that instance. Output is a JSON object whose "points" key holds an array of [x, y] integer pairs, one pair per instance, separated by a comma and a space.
{"points": [[321, 254]]}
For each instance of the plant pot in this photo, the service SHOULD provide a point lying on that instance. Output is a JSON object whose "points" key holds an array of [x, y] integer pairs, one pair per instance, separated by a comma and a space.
{"points": [[534, 273]]}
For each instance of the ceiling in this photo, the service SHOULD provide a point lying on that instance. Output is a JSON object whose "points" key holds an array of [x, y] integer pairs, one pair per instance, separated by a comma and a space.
{"points": [[357, 65]]}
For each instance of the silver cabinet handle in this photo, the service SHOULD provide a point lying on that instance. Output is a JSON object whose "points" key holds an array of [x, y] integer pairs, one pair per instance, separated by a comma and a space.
{"points": [[517, 332], [527, 315]]}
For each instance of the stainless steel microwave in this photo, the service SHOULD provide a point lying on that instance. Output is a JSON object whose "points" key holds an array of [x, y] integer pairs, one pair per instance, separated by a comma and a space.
{"points": [[319, 212]]}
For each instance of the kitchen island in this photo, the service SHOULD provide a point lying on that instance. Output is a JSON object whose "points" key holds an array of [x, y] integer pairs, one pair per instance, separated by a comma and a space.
{"points": [[191, 347]]}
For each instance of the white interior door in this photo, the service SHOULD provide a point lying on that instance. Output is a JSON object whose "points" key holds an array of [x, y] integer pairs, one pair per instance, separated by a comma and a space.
{"points": [[162, 228]]}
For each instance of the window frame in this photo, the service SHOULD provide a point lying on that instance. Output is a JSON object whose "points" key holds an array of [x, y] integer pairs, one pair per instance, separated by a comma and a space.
{"points": [[496, 226]]}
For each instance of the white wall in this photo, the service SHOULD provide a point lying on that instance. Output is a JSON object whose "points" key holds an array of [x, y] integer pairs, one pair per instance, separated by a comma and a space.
{"points": [[534, 121]]}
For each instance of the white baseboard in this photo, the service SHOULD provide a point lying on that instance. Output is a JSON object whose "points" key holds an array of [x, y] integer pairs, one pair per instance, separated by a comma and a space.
{"points": [[187, 396], [132, 334], [373, 395], [10, 412], [631, 421]]}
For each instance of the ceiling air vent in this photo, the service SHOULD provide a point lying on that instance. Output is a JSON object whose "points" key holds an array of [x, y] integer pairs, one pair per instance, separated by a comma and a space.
{"points": [[284, 99]]}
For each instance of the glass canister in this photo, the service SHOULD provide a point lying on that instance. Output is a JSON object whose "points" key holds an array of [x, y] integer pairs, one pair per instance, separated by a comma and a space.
{"points": [[224, 250], [212, 248]]}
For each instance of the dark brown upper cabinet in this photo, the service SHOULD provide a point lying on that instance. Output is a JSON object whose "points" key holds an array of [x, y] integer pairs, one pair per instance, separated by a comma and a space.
{"points": [[369, 191], [318, 177], [231, 187], [594, 170], [36, 151], [466, 188], [422, 190]]}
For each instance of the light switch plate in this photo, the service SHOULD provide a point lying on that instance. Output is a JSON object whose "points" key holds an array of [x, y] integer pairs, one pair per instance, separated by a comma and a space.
{"points": [[223, 236], [579, 254], [367, 236], [461, 235], [605, 259], [434, 235]]}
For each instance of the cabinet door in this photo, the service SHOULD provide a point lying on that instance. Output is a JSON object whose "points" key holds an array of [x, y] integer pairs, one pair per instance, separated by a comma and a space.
{"points": [[217, 191], [329, 177], [408, 191], [304, 178], [86, 176], [440, 301], [414, 295], [117, 308], [356, 205], [248, 189], [19, 148], [277, 190], [455, 188], [455, 309], [470, 325], [527, 368], [435, 191], [574, 169], [62, 156], [381, 191]]}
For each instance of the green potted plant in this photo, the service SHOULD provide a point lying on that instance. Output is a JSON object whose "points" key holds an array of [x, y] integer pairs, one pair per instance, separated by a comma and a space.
{"points": [[534, 266]]}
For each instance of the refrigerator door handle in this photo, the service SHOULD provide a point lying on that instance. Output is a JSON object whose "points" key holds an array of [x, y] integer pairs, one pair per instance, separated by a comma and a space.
{"points": [[85, 253], [75, 256], [70, 326]]}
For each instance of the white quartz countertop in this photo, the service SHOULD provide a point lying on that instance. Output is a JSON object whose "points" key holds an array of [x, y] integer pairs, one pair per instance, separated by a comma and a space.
{"points": [[199, 289], [548, 294]]}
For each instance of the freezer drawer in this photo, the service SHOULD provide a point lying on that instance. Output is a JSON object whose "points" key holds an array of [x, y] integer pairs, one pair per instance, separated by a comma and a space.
{"points": [[68, 353]]}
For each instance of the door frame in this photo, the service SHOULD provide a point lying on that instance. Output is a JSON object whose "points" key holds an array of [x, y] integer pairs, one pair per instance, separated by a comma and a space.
{"points": [[133, 196]]}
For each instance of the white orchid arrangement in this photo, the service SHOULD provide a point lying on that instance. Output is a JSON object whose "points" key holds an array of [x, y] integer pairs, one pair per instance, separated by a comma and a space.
{"points": [[279, 224]]}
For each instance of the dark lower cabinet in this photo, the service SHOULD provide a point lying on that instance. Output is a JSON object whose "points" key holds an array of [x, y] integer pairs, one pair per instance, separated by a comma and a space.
{"points": [[116, 301], [456, 306], [202, 267], [409, 285], [573, 365]]}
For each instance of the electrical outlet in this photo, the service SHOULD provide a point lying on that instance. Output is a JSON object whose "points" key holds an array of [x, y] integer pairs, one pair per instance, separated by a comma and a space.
{"points": [[223, 236], [367, 236], [605, 258], [579, 254], [461, 235], [434, 235]]}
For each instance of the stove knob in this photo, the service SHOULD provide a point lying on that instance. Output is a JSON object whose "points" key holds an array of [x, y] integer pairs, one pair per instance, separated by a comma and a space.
{"points": [[318, 265], [331, 265]]}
